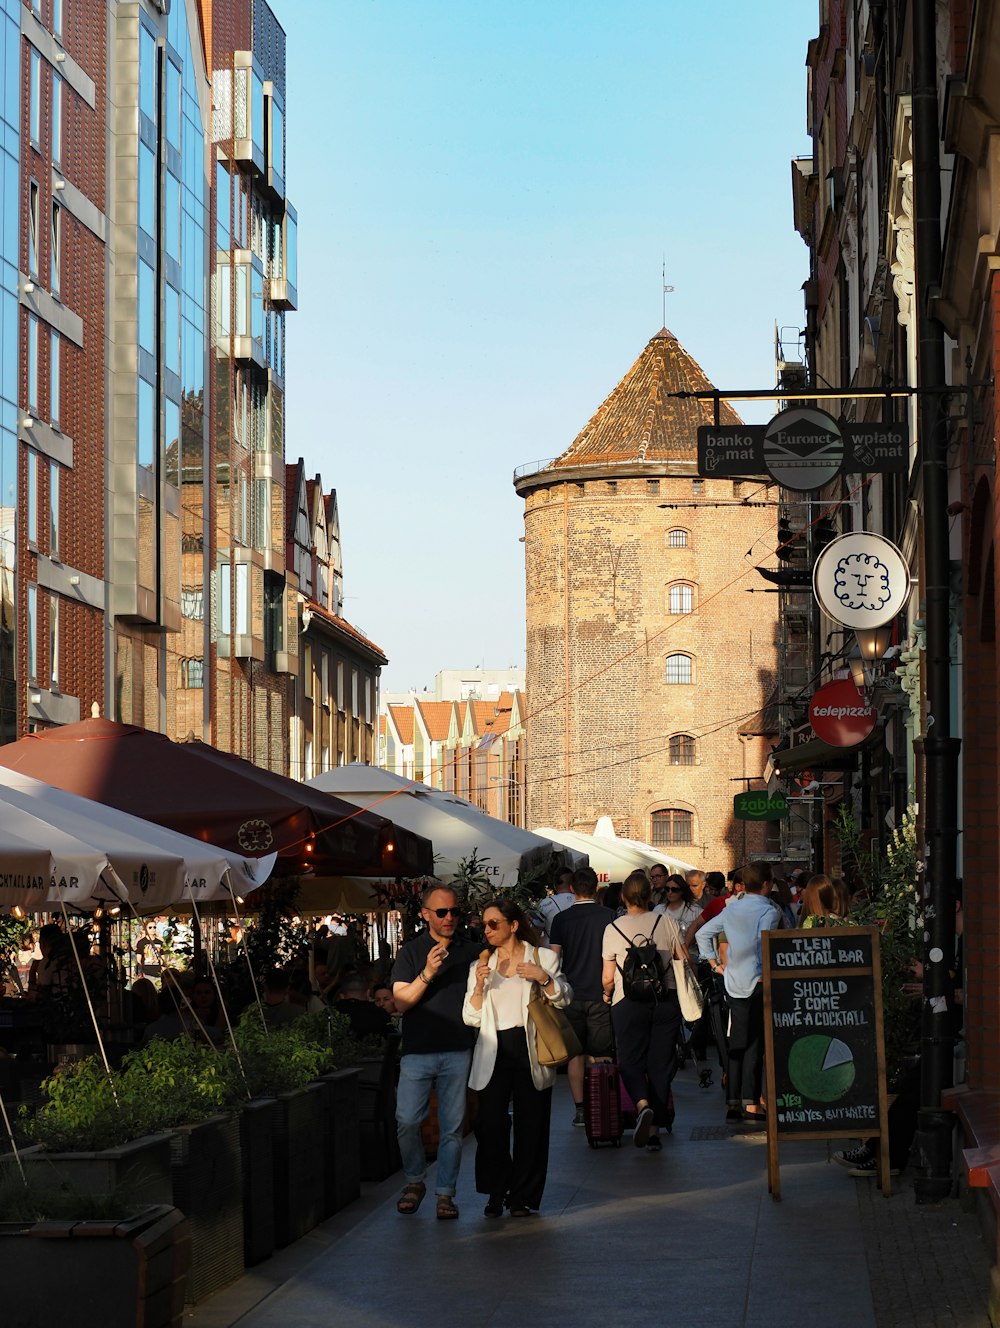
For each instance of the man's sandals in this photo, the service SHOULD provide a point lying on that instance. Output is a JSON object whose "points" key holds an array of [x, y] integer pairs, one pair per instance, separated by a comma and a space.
{"points": [[411, 1198]]}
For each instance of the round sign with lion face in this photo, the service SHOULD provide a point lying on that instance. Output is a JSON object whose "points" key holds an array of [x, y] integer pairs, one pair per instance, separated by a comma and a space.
{"points": [[861, 580]]}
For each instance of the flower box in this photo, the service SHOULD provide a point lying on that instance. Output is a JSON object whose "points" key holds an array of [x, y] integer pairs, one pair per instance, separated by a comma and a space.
{"points": [[258, 1122], [208, 1189], [298, 1181], [97, 1274], [340, 1140], [137, 1172]]}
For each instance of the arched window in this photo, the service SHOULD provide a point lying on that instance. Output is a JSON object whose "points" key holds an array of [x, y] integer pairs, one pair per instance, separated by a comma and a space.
{"points": [[681, 749], [677, 539], [672, 827], [680, 598], [678, 669]]}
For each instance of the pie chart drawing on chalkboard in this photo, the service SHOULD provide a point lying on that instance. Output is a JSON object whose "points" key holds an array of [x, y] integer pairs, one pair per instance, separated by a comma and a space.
{"points": [[821, 1068]]}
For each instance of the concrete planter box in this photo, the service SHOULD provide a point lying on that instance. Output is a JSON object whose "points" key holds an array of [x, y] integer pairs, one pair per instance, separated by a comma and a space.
{"points": [[208, 1189], [97, 1274], [258, 1122], [340, 1139], [298, 1177], [137, 1172]]}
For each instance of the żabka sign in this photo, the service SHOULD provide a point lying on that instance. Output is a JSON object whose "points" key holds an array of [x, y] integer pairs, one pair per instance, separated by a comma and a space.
{"points": [[840, 715]]}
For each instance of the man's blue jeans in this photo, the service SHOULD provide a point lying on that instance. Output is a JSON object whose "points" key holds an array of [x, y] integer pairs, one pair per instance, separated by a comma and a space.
{"points": [[448, 1072]]}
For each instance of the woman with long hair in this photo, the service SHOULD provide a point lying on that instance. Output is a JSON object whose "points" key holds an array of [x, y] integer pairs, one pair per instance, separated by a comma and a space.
{"points": [[645, 1031], [822, 904], [678, 899], [505, 1065]]}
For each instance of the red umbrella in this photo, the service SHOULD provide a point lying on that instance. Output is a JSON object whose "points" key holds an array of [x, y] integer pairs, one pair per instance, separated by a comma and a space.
{"points": [[221, 799]]}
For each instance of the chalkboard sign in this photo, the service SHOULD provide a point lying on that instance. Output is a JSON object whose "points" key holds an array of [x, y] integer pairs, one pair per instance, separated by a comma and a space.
{"points": [[823, 1034]]}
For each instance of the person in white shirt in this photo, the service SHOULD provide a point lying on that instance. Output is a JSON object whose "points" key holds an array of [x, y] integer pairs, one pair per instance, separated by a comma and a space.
{"points": [[562, 897], [742, 921]]}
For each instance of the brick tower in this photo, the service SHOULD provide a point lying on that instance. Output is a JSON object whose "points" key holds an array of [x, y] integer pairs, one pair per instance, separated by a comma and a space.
{"points": [[649, 667]]}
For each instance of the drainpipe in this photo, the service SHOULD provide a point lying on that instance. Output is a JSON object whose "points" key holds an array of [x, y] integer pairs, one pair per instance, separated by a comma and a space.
{"points": [[934, 1129]]}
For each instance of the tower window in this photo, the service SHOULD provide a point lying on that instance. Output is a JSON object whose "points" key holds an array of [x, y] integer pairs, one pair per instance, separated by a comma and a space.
{"points": [[677, 539], [672, 827], [681, 598], [678, 669], [681, 749]]}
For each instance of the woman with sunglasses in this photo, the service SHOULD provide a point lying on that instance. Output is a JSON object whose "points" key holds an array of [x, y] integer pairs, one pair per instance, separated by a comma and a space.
{"points": [[505, 1065], [678, 903]]}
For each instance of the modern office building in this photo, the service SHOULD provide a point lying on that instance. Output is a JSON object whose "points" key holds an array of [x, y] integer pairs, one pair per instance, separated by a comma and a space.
{"points": [[147, 260]]}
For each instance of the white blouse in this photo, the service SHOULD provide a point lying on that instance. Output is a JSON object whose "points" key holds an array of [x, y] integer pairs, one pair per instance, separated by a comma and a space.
{"points": [[508, 1000]]}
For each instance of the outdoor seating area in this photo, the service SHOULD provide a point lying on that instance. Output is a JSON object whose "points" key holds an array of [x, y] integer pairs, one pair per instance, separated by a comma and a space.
{"points": [[178, 1063]]}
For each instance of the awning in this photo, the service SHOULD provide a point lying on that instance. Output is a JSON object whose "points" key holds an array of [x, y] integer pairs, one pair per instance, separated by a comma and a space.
{"points": [[815, 755]]}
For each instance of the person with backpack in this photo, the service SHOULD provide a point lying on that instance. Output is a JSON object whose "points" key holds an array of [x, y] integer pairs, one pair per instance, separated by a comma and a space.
{"points": [[639, 985]]}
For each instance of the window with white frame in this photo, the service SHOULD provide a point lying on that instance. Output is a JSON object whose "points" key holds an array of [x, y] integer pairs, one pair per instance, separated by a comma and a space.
{"points": [[54, 469], [54, 641], [35, 99], [33, 228], [31, 459], [681, 598], [55, 393], [678, 670], [33, 393]]}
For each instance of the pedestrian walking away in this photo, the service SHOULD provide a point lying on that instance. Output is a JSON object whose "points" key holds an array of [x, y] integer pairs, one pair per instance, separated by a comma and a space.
{"points": [[577, 938], [428, 986], [646, 1021], [505, 1068]]}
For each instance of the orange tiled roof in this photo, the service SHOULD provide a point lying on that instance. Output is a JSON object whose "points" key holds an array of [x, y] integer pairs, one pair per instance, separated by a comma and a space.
{"points": [[640, 420], [402, 717], [437, 718], [483, 715]]}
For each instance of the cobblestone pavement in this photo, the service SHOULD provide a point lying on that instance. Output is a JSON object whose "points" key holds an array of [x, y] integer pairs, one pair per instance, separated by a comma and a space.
{"points": [[928, 1265]]}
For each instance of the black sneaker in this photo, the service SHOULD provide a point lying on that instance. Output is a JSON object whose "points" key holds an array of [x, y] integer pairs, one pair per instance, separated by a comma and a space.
{"points": [[853, 1157], [643, 1127], [578, 1119], [869, 1167]]}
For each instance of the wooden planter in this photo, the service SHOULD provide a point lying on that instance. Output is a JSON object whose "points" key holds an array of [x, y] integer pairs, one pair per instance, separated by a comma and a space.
{"points": [[377, 1106], [138, 1172], [340, 1140], [258, 1122], [208, 1189], [298, 1177], [97, 1274]]}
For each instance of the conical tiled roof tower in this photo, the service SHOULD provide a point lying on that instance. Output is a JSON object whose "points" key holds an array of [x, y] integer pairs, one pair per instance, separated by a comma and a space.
{"points": [[645, 418], [644, 653]]}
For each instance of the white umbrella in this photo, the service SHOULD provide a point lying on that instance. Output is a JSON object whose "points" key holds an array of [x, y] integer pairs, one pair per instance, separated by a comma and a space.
{"points": [[456, 827], [51, 867], [613, 858], [158, 867]]}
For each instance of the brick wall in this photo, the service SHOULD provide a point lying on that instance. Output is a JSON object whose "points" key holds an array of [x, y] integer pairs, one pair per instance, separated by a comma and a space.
{"points": [[599, 710]]}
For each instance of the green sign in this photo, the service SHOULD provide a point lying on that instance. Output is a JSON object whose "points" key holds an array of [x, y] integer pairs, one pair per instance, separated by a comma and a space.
{"points": [[760, 807]]}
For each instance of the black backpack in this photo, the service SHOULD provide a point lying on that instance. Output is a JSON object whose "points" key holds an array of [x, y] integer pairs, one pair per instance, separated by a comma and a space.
{"points": [[643, 978]]}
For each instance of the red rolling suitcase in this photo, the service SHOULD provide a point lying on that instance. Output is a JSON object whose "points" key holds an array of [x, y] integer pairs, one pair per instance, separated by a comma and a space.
{"points": [[602, 1107]]}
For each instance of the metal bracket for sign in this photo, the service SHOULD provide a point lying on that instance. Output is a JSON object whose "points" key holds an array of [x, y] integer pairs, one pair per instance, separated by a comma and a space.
{"points": [[772, 974]]}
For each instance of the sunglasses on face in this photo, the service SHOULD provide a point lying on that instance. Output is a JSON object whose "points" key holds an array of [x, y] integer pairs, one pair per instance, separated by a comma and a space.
{"points": [[446, 912], [673, 889], [491, 924]]}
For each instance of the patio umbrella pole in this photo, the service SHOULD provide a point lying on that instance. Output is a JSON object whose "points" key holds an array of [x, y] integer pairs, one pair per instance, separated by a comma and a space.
{"points": [[177, 990], [13, 1144], [90, 1003], [253, 980], [222, 1003]]}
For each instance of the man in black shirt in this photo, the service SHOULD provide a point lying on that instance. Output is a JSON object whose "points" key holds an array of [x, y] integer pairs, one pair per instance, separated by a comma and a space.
{"points": [[429, 979], [577, 936]]}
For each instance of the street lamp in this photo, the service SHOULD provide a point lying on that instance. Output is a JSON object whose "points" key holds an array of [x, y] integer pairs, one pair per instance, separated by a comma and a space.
{"points": [[873, 642]]}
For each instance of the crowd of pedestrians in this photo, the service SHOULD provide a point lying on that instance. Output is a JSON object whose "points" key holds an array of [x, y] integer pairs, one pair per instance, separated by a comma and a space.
{"points": [[608, 958]]}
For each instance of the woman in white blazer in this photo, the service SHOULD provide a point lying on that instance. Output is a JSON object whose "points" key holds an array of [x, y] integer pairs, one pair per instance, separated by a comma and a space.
{"points": [[505, 1063]]}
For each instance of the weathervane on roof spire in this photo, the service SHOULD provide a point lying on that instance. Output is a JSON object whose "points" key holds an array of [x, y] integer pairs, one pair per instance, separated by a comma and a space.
{"points": [[667, 290]]}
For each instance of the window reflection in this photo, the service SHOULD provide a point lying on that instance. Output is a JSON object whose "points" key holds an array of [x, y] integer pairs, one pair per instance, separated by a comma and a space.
{"points": [[147, 308], [146, 435]]}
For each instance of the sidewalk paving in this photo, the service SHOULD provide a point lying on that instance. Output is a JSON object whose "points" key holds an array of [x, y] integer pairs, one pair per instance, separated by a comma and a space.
{"points": [[689, 1236]]}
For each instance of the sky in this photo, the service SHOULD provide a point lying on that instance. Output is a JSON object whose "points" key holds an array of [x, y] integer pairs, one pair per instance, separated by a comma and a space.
{"points": [[487, 193]]}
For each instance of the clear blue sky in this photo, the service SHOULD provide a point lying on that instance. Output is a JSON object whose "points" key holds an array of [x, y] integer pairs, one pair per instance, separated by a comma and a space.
{"points": [[485, 193]]}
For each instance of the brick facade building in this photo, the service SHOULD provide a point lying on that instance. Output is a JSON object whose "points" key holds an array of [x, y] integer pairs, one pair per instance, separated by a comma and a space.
{"points": [[645, 655]]}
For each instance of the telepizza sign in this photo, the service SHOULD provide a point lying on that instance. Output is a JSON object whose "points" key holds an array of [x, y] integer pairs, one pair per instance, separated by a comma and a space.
{"points": [[840, 715]]}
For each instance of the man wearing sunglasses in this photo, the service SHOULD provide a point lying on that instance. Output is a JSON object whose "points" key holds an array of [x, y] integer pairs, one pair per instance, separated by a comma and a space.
{"points": [[428, 985]]}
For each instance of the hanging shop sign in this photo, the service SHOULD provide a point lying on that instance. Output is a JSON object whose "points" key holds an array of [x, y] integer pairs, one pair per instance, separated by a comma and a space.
{"points": [[840, 715], [751, 806], [802, 449], [861, 580]]}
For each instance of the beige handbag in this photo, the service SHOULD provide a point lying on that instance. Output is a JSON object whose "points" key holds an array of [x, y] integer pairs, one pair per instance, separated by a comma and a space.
{"points": [[689, 993], [555, 1041]]}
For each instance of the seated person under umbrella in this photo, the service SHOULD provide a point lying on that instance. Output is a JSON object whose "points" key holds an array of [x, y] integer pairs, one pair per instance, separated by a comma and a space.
{"points": [[365, 1017]]}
